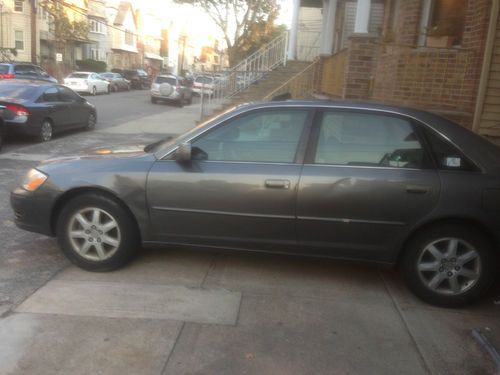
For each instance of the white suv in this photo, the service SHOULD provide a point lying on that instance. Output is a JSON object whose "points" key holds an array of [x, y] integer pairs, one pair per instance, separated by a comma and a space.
{"points": [[171, 88]]}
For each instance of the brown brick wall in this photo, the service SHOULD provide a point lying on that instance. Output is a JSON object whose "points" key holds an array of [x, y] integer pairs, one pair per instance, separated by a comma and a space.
{"points": [[407, 21], [430, 78], [361, 60]]}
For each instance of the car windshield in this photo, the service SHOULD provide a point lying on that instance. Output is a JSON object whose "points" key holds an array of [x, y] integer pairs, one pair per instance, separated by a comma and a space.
{"points": [[4, 69], [169, 141], [18, 91], [79, 75], [170, 80], [204, 80], [107, 75]]}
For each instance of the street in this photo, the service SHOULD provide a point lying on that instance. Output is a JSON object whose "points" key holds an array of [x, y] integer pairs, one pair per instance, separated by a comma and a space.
{"points": [[177, 311]]}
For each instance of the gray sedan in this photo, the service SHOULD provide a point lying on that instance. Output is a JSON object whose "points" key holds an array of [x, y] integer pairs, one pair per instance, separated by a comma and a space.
{"points": [[330, 179]]}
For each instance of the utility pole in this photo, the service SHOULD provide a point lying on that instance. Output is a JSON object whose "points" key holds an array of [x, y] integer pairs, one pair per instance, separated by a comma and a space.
{"points": [[33, 15]]}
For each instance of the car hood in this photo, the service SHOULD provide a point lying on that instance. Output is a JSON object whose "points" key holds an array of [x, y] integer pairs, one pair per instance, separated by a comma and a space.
{"points": [[123, 152]]}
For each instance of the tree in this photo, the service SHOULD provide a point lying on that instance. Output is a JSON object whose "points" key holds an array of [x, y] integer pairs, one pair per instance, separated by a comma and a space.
{"points": [[245, 24], [65, 30]]}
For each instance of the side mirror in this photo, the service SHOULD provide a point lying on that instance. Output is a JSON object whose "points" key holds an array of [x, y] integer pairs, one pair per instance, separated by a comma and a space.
{"points": [[183, 152]]}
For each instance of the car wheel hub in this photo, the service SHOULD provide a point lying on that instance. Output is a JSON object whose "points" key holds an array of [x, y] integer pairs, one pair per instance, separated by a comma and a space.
{"points": [[46, 131], [94, 234], [449, 266]]}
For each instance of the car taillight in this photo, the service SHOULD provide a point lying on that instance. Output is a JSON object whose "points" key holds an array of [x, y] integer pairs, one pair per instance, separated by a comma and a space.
{"points": [[18, 109], [7, 76]]}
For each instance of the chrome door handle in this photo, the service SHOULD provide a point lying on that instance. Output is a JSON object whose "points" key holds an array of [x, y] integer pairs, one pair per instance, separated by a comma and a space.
{"points": [[417, 189], [278, 184]]}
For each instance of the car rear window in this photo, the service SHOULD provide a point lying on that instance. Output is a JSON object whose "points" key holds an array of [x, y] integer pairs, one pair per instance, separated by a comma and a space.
{"points": [[25, 70], [170, 80], [78, 75], [4, 69], [18, 91]]}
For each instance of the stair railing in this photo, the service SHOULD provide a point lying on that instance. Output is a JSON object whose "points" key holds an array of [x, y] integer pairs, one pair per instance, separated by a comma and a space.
{"points": [[248, 71]]}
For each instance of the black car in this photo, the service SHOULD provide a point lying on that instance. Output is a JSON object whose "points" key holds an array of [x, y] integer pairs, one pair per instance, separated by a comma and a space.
{"points": [[331, 179], [138, 78], [40, 109], [21, 70], [116, 81]]}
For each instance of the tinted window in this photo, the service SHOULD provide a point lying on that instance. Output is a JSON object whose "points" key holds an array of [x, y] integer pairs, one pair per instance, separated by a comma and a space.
{"points": [[67, 95], [359, 139], [25, 70], [170, 80], [17, 91], [51, 95], [4, 69], [446, 155], [270, 136], [108, 75], [79, 75]]}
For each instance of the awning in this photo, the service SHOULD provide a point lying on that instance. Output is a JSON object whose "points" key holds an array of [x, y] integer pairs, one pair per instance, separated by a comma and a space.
{"points": [[152, 56]]}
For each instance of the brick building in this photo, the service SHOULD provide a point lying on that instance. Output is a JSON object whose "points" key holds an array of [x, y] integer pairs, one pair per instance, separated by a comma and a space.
{"points": [[439, 55]]}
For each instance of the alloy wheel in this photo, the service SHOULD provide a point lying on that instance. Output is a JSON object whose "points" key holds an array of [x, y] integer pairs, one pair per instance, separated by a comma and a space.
{"points": [[94, 234], [449, 266], [46, 131], [91, 121]]}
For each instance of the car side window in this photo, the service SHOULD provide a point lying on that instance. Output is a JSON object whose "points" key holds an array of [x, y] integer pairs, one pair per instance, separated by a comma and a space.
{"points": [[25, 70], [67, 95], [51, 95], [366, 139], [446, 155], [265, 136]]}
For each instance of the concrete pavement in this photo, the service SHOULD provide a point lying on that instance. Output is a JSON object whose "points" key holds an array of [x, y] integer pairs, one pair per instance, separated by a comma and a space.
{"points": [[184, 311]]}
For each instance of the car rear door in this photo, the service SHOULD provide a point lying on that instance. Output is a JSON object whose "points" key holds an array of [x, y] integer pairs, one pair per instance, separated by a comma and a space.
{"points": [[366, 180], [55, 108], [240, 188], [75, 111]]}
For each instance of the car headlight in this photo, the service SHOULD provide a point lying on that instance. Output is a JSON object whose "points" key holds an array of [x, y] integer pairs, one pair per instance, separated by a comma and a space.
{"points": [[33, 180]]}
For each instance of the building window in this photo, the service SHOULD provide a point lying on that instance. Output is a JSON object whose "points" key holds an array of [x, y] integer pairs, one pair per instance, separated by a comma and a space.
{"points": [[19, 40], [129, 38], [18, 5], [96, 27], [446, 19], [96, 54]]}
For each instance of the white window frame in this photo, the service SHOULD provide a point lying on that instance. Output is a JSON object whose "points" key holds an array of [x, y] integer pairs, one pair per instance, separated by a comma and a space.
{"points": [[96, 26], [18, 40], [129, 34], [18, 3]]}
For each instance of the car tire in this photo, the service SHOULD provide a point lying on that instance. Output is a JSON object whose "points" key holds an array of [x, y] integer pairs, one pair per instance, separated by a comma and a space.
{"points": [[46, 131], [180, 102], [154, 100], [449, 265], [190, 100], [91, 121], [1, 138], [97, 233], [94, 91], [108, 90]]}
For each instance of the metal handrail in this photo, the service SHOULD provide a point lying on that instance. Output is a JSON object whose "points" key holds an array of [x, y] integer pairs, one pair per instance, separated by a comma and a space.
{"points": [[248, 71]]}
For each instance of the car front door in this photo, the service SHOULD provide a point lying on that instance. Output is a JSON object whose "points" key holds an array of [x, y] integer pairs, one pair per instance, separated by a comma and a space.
{"points": [[366, 179], [239, 189]]}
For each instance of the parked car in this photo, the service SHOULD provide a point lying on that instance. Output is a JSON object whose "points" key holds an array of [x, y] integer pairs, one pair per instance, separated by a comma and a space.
{"points": [[87, 82], [332, 179], [205, 84], [23, 70], [138, 78], [171, 88], [116, 81], [40, 109]]}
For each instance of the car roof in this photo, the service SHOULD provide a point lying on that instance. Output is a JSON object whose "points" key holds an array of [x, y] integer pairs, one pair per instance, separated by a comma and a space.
{"points": [[32, 82]]}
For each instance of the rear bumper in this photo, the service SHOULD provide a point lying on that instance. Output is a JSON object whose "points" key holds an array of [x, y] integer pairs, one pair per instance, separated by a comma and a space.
{"points": [[28, 128]]}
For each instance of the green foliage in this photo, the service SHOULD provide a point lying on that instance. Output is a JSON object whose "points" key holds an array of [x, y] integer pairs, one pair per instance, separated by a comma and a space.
{"points": [[90, 65], [245, 24], [64, 29]]}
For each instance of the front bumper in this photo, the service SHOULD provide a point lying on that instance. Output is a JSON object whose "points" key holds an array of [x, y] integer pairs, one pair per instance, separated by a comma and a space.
{"points": [[31, 211]]}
